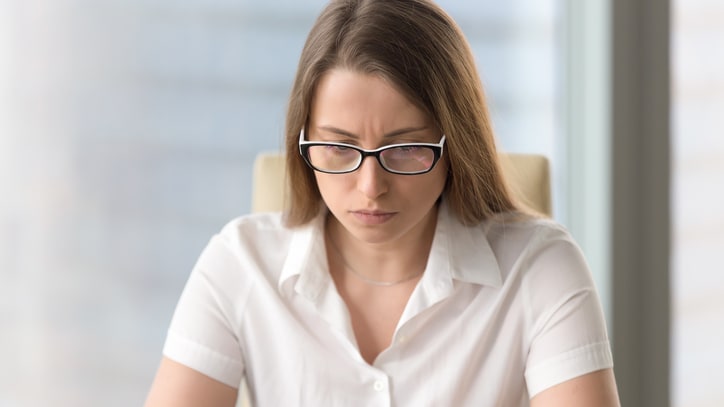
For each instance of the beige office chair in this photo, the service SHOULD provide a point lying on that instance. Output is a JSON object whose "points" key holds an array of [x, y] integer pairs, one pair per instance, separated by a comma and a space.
{"points": [[528, 175]]}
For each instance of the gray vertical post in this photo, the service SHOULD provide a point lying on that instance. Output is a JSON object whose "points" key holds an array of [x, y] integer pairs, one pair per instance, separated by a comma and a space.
{"points": [[640, 199]]}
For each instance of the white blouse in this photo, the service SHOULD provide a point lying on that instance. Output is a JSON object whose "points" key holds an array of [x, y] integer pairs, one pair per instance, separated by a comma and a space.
{"points": [[503, 311]]}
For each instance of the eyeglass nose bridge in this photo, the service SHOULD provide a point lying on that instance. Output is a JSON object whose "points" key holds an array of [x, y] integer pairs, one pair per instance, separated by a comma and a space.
{"points": [[377, 154]]}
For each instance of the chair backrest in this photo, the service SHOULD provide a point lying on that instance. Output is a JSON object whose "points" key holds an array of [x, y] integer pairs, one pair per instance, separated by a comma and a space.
{"points": [[527, 174]]}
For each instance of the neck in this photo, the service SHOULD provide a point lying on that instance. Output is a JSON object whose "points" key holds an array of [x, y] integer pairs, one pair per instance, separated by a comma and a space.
{"points": [[380, 264], [368, 280]]}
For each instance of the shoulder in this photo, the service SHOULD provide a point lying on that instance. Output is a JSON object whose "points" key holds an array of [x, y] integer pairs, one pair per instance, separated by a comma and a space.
{"points": [[261, 232], [247, 245], [531, 243], [254, 223], [542, 259], [527, 229]]}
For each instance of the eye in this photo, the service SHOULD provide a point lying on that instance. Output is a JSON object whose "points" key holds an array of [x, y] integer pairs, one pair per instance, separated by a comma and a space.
{"points": [[339, 150], [404, 152], [408, 149]]}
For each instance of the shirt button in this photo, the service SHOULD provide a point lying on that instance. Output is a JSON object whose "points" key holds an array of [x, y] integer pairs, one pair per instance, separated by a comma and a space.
{"points": [[379, 385], [402, 339]]}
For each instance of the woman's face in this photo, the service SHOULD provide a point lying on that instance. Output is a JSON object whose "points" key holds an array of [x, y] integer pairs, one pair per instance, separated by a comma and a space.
{"points": [[371, 204]]}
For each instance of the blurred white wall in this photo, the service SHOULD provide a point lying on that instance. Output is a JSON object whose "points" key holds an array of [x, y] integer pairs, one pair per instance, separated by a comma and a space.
{"points": [[698, 203]]}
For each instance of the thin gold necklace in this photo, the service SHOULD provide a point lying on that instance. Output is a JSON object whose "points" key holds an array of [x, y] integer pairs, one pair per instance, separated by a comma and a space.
{"points": [[368, 280]]}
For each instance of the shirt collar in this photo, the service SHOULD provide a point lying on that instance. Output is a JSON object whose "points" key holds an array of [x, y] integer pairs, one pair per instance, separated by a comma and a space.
{"points": [[463, 251], [305, 269]]}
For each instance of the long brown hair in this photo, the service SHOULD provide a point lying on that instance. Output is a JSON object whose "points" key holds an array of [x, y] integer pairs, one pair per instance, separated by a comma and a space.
{"points": [[417, 47]]}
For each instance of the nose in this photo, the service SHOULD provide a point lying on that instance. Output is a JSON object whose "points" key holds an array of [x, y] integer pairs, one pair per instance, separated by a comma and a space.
{"points": [[371, 178]]}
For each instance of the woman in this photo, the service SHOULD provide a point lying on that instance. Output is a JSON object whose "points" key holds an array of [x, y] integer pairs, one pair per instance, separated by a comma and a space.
{"points": [[402, 272]]}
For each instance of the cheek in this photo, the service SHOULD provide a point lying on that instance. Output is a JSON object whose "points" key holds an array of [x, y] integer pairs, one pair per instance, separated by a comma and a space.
{"points": [[438, 176], [422, 191], [330, 187]]}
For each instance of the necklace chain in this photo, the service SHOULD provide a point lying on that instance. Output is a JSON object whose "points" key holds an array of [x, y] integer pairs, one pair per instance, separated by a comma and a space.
{"points": [[367, 279]]}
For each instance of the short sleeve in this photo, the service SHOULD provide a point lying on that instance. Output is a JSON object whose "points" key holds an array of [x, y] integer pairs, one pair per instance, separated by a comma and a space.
{"points": [[568, 335], [202, 332]]}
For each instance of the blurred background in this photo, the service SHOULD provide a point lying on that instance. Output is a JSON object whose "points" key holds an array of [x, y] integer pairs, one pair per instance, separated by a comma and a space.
{"points": [[128, 130]]}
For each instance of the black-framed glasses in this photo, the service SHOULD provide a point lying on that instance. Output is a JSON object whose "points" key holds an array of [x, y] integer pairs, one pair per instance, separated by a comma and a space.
{"points": [[340, 158]]}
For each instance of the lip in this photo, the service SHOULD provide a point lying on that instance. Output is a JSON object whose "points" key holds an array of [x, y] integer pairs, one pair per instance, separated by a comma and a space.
{"points": [[373, 217]]}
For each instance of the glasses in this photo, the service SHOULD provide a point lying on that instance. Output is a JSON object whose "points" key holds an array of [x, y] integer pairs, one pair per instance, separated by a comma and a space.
{"points": [[340, 158]]}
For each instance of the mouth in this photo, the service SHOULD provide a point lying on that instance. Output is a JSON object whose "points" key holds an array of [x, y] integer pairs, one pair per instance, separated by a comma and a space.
{"points": [[372, 217]]}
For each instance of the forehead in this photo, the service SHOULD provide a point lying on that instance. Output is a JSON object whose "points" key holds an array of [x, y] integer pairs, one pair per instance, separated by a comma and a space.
{"points": [[363, 102]]}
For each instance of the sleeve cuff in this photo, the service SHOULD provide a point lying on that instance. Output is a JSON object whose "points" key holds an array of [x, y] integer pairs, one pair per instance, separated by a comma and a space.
{"points": [[567, 366], [202, 359]]}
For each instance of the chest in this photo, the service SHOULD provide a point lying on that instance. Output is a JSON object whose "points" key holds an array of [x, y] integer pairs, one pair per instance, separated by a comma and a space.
{"points": [[374, 314], [444, 353]]}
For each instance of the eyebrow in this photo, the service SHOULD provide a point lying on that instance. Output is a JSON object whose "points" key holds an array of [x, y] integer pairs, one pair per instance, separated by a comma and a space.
{"points": [[395, 133]]}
